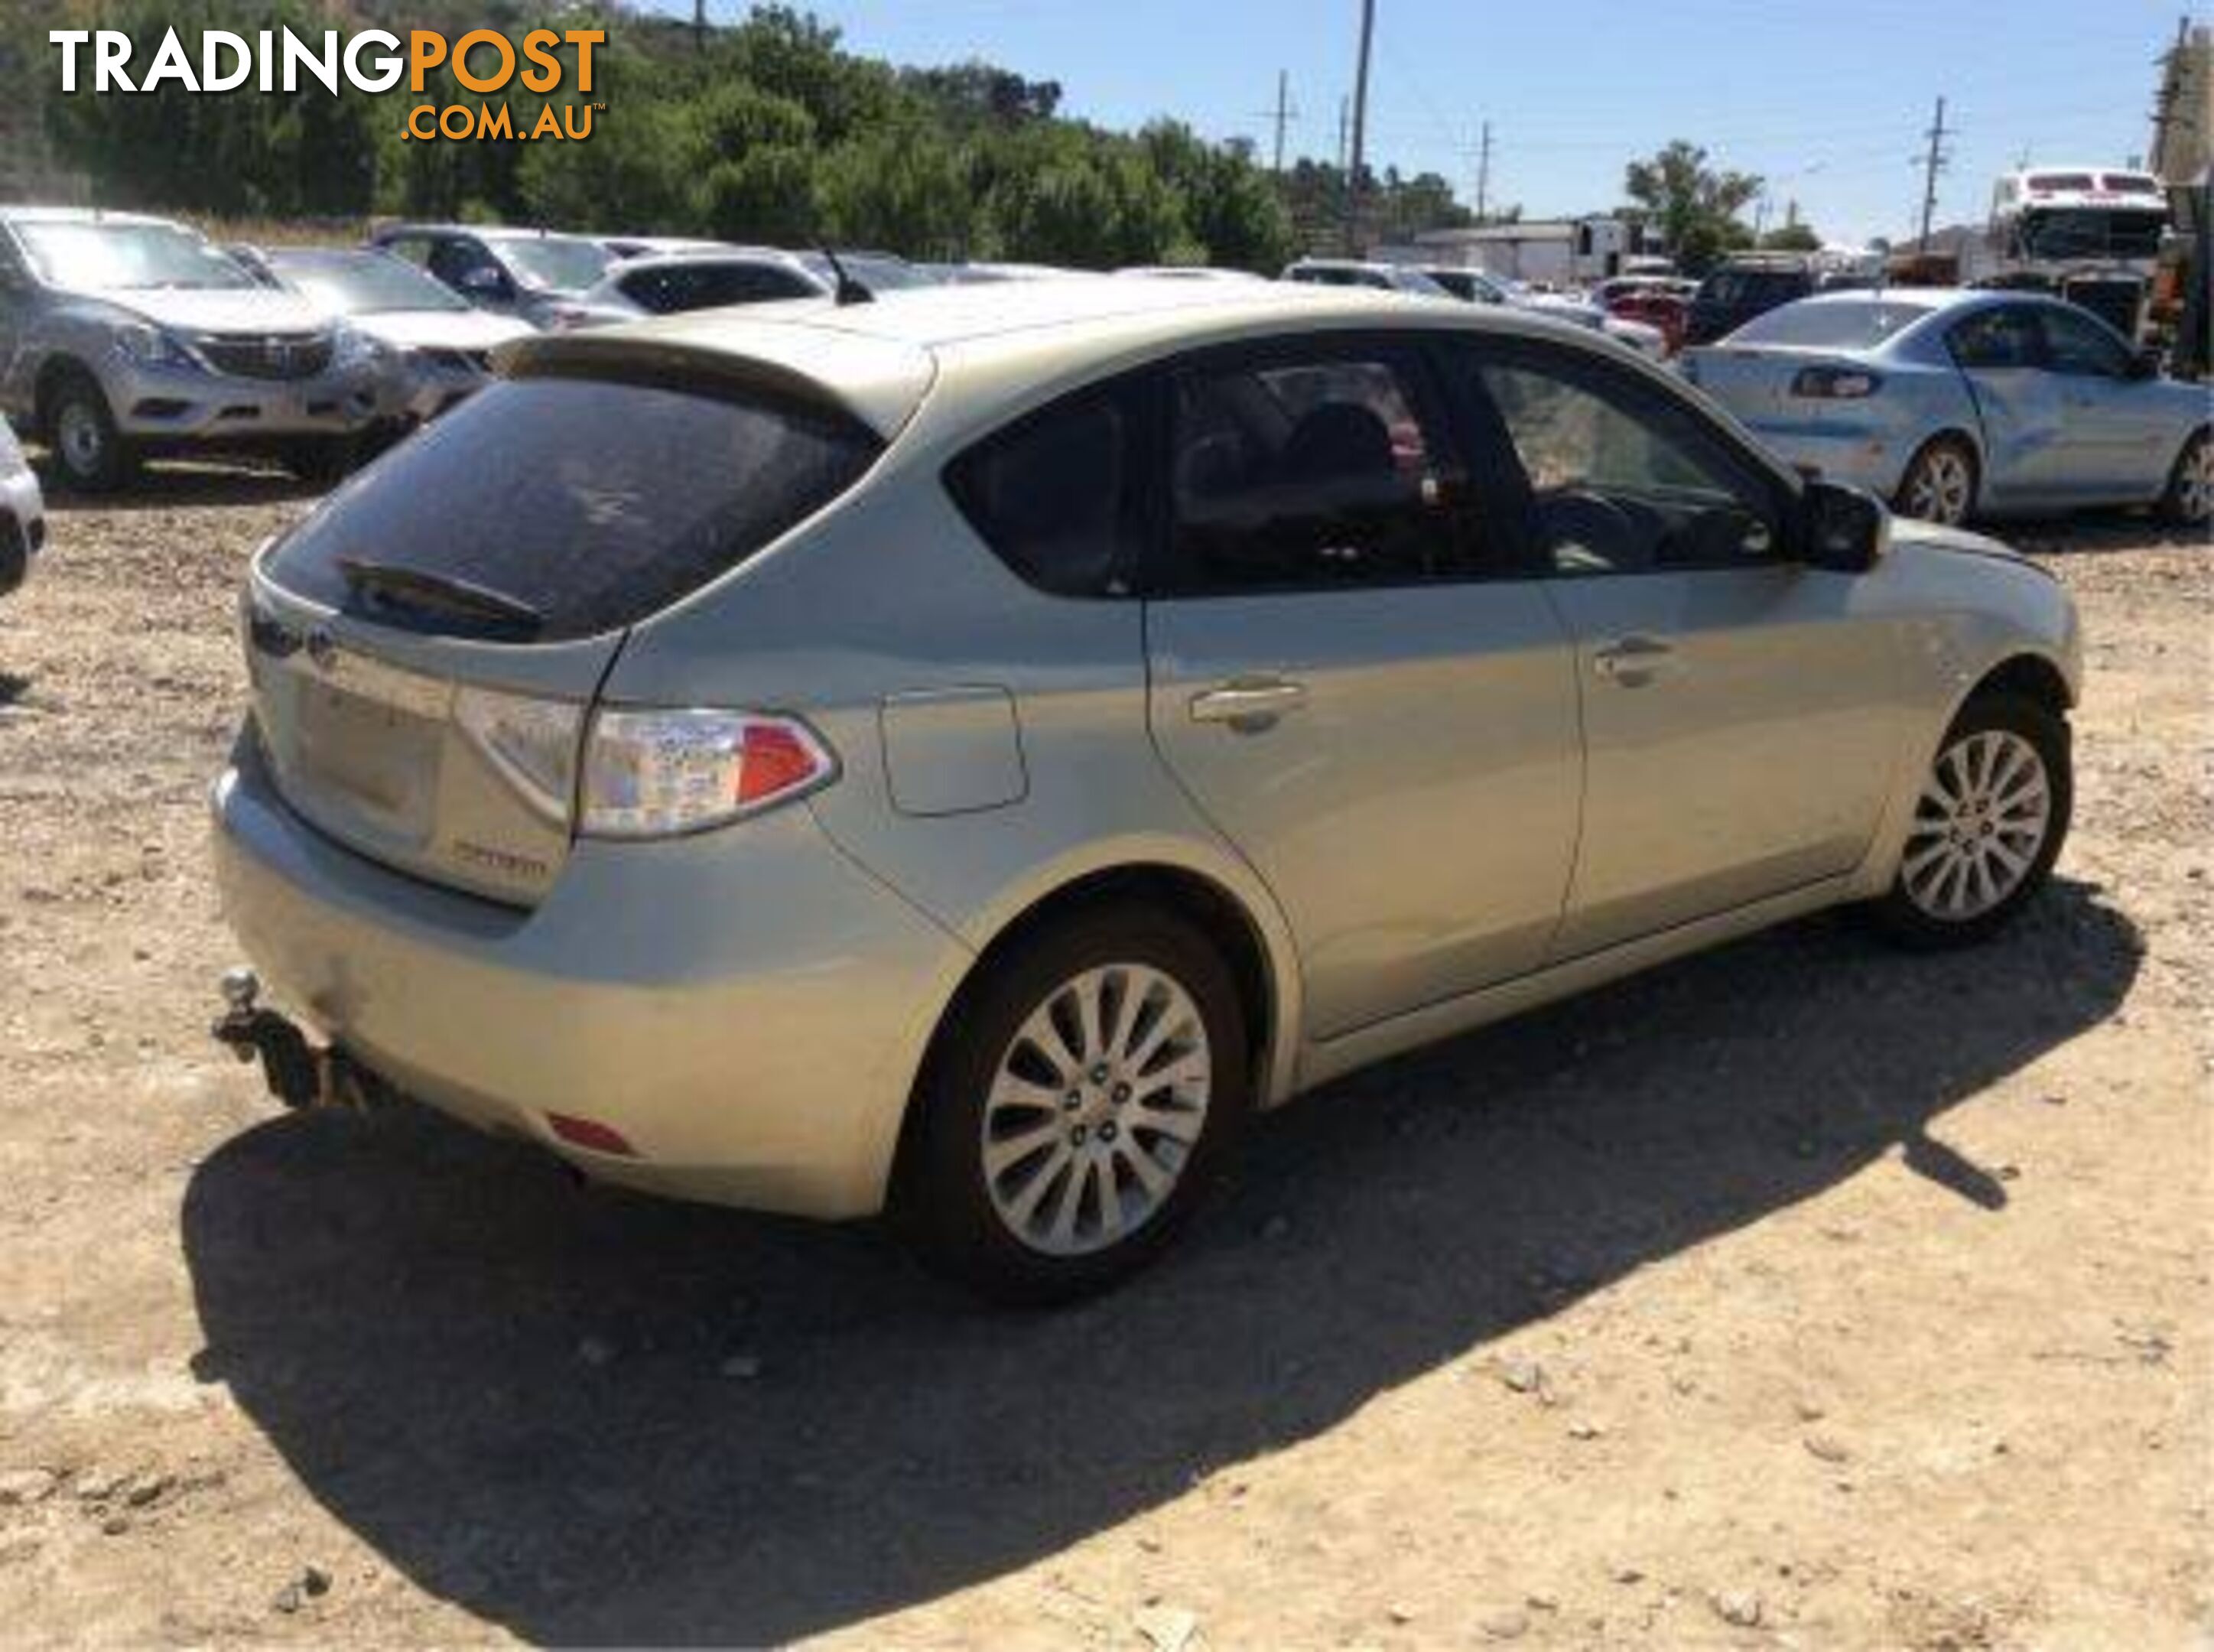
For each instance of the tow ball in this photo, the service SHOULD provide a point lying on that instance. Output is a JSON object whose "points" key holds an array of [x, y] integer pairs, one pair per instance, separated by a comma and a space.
{"points": [[299, 1073]]}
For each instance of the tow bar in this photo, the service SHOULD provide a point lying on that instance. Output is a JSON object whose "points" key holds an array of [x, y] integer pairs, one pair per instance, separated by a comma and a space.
{"points": [[299, 1073]]}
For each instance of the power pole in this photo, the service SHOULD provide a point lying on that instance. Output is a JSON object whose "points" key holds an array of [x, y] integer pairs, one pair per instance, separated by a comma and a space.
{"points": [[2164, 114], [1933, 163], [699, 25], [1283, 112], [1353, 243], [1483, 172]]}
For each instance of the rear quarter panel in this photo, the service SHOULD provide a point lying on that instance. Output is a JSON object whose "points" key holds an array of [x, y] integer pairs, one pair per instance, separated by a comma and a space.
{"points": [[890, 598]]}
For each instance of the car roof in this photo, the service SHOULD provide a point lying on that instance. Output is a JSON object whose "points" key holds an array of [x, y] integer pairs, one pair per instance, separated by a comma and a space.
{"points": [[482, 231], [1013, 345], [710, 254], [80, 215]]}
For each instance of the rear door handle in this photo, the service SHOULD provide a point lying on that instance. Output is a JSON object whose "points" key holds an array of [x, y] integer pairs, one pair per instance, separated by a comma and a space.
{"points": [[1635, 661], [1248, 702]]}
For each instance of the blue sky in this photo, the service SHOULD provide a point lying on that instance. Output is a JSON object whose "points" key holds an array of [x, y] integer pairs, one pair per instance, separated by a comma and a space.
{"points": [[1828, 99]]}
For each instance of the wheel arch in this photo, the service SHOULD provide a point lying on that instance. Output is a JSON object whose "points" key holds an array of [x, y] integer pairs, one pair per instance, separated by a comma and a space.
{"points": [[55, 370], [1949, 430], [2029, 675], [1259, 963]]}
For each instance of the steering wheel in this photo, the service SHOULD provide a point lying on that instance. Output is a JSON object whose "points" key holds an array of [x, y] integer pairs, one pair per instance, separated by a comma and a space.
{"points": [[1587, 533]]}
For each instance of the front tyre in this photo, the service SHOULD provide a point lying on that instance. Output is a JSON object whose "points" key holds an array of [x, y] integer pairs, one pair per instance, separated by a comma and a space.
{"points": [[1083, 1094], [89, 452], [1988, 825]]}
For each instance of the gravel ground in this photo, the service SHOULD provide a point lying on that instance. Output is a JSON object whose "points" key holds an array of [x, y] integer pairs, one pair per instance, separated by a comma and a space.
{"points": [[1802, 1294]]}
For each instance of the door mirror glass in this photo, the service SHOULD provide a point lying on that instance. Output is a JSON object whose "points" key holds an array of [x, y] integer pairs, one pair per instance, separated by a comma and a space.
{"points": [[2145, 364], [1843, 530]]}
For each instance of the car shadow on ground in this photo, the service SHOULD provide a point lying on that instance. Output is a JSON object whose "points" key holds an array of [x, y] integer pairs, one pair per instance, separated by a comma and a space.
{"points": [[514, 1389], [171, 486]]}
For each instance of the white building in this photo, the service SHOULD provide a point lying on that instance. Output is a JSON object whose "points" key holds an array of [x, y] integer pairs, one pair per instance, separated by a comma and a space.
{"points": [[1554, 252]]}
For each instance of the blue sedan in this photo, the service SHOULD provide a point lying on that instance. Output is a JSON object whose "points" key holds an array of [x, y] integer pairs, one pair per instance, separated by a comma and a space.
{"points": [[1953, 404]]}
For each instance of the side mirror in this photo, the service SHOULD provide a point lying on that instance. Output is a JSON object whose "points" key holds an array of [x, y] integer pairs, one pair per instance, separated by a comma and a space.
{"points": [[1842, 530], [2145, 364], [485, 281]]}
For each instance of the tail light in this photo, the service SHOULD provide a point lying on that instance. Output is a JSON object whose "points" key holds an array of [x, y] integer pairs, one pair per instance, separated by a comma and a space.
{"points": [[658, 773], [1836, 383]]}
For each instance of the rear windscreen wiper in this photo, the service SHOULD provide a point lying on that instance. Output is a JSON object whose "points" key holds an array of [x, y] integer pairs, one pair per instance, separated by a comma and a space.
{"points": [[438, 593]]}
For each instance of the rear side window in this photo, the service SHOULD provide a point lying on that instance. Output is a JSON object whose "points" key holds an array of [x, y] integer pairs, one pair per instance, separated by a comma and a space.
{"points": [[583, 505], [1306, 473], [1053, 495]]}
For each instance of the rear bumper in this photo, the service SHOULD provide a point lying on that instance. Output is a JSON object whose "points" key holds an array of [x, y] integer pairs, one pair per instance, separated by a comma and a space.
{"points": [[748, 1014], [162, 405]]}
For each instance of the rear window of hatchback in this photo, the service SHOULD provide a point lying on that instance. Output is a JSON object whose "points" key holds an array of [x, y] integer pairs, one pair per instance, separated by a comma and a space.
{"points": [[589, 503]]}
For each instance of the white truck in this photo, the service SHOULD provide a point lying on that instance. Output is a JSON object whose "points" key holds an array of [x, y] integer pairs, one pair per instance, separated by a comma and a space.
{"points": [[2090, 234]]}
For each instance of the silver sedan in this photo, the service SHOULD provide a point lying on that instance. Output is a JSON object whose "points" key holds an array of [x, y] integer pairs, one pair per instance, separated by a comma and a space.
{"points": [[963, 756], [1957, 404]]}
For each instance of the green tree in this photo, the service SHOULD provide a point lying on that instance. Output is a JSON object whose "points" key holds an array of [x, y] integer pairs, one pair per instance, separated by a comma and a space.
{"points": [[1791, 237], [1695, 206]]}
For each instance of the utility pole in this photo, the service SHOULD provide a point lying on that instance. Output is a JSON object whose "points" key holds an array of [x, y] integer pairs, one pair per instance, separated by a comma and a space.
{"points": [[1352, 236], [2164, 114], [1283, 113], [1483, 172], [1933, 163], [700, 25]]}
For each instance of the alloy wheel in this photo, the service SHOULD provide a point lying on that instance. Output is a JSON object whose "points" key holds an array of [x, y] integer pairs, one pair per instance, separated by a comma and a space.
{"points": [[1942, 488], [1978, 826], [1095, 1108]]}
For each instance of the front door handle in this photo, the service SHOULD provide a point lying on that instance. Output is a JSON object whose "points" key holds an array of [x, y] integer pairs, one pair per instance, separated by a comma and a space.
{"points": [[1634, 661], [1248, 702]]}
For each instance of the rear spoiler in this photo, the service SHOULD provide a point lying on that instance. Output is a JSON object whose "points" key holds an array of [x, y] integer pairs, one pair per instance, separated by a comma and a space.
{"points": [[877, 387]]}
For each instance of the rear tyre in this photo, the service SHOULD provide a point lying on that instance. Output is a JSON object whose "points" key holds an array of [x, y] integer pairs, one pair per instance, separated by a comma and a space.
{"points": [[1083, 1093], [1940, 483], [91, 455], [1988, 825], [2189, 499]]}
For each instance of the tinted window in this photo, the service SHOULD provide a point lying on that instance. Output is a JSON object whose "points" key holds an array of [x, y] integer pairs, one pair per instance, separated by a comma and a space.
{"points": [[1052, 495], [1308, 473], [2004, 336], [595, 504], [1740, 289], [669, 288], [1624, 479], [454, 260], [2077, 343]]}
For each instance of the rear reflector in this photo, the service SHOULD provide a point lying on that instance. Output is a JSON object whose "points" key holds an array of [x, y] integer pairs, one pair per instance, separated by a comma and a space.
{"points": [[591, 1135]]}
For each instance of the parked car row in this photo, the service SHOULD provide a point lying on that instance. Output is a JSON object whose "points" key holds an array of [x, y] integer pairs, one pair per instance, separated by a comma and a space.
{"points": [[123, 336]]}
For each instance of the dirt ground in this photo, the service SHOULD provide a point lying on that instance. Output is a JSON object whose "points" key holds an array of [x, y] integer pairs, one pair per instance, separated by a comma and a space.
{"points": [[1802, 1294]]}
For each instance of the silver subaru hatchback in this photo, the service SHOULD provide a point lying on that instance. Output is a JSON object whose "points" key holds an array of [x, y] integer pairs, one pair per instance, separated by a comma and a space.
{"points": [[962, 756]]}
